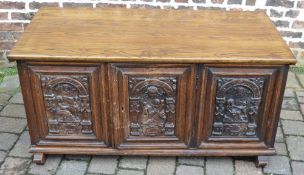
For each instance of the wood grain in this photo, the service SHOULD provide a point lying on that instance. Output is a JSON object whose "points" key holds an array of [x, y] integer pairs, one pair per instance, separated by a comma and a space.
{"points": [[156, 152], [266, 117], [151, 35], [157, 119], [63, 108]]}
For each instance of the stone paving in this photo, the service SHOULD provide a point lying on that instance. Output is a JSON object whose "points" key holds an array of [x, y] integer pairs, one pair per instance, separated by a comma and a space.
{"points": [[15, 159]]}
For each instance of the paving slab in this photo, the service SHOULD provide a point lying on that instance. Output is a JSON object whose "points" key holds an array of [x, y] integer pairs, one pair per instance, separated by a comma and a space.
{"points": [[293, 127], [291, 115], [2, 156], [14, 166], [301, 79], [103, 164], [9, 84], [17, 98], [300, 96], [13, 110], [13, 125], [189, 170], [49, 168], [289, 93], [243, 167], [4, 98], [279, 136], [295, 147], [22, 147], [198, 161], [278, 165], [297, 168], [290, 104], [219, 166], [302, 108], [161, 166], [280, 148], [72, 167], [7, 141], [133, 162], [130, 172], [292, 81]]}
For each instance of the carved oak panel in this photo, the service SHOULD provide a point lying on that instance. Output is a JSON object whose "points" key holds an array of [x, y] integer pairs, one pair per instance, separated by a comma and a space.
{"points": [[67, 102], [152, 106], [149, 104], [236, 107]]}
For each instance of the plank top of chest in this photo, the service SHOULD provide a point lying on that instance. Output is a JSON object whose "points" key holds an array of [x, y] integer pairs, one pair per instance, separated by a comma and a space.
{"points": [[151, 35]]}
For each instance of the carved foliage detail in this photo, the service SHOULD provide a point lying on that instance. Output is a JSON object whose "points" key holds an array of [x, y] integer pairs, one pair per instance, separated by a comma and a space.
{"points": [[152, 106], [237, 106], [67, 100]]}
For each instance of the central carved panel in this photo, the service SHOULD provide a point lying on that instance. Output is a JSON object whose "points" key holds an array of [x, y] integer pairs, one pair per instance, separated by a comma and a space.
{"points": [[237, 106], [67, 102], [152, 103]]}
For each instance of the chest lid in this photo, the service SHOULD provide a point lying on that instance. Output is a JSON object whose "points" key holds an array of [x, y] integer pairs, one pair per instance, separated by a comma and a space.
{"points": [[151, 35]]}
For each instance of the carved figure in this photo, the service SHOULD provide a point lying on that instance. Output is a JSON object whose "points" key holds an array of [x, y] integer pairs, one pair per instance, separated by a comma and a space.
{"points": [[237, 105], [152, 106], [67, 101]]}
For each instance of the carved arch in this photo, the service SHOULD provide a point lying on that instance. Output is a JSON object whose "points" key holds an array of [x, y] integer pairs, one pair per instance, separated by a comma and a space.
{"points": [[236, 116], [68, 112], [152, 82], [245, 83], [66, 80]]}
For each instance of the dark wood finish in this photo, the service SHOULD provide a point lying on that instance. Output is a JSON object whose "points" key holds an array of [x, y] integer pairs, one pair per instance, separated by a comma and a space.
{"points": [[153, 105], [39, 158], [261, 161], [177, 83], [239, 103], [152, 152], [67, 102]]}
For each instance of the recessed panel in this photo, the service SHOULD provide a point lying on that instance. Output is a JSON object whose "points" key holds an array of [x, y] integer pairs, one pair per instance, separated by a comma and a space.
{"points": [[68, 103], [152, 105], [235, 106]]}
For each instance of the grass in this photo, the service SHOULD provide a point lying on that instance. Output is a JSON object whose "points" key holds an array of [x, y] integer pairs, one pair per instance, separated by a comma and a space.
{"points": [[7, 71], [299, 69]]}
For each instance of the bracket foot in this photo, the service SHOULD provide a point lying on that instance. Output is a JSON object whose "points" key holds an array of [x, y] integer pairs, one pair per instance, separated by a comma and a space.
{"points": [[261, 161], [39, 158]]}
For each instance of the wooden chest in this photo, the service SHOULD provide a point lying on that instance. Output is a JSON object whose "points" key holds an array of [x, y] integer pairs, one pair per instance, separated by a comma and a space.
{"points": [[152, 82]]}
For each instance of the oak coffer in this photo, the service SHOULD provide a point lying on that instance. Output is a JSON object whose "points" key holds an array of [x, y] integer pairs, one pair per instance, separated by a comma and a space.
{"points": [[152, 82]]}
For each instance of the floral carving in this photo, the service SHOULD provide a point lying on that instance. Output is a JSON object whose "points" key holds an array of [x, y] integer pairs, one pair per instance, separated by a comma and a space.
{"points": [[237, 106], [67, 101], [152, 106]]}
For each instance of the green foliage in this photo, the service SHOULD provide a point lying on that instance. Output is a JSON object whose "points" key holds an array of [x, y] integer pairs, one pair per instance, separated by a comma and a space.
{"points": [[299, 69], [7, 71]]}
